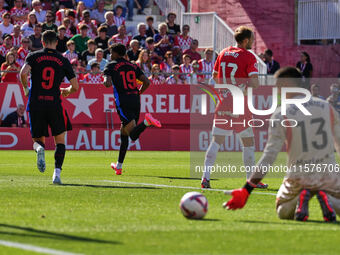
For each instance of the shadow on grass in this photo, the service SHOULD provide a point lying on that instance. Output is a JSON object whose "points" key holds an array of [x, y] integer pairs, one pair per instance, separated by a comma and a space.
{"points": [[289, 222], [207, 220], [106, 186], [172, 177], [32, 232]]}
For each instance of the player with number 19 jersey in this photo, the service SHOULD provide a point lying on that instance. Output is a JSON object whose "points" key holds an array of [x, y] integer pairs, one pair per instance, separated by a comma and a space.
{"points": [[124, 74], [233, 66]]}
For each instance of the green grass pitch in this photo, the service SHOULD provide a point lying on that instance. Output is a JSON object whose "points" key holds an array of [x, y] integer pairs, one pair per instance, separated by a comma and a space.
{"points": [[91, 216]]}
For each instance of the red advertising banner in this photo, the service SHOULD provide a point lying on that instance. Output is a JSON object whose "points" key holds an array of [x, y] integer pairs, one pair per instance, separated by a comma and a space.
{"points": [[90, 112]]}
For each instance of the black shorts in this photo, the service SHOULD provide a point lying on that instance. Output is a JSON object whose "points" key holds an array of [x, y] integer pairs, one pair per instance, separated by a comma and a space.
{"points": [[57, 119], [128, 112]]}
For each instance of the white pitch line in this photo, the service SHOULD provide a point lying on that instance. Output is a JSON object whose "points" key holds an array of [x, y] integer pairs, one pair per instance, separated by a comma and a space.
{"points": [[181, 187], [29, 247]]}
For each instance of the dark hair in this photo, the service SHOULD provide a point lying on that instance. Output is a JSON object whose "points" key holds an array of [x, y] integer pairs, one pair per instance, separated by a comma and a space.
{"points": [[119, 6], [306, 55], [70, 12], [149, 40], [149, 18], [102, 29], [50, 12], [85, 12], [290, 72], [83, 26], [269, 52], [171, 13], [95, 64], [186, 25], [242, 33], [49, 37], [91, 41], [119, 48]]}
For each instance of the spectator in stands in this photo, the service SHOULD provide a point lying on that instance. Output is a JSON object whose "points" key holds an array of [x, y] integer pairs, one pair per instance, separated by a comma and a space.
{"points": [[70, 29], [118, 18], [156, 77], [133, 52], [173, 29], [2, 10], [67, 3], [306, 68], [144, 62], [7, 45], [62, 39], [71, 15], [334, 98], [110, 24], [122, 37], [11, 68], [151, 31], [23, 51], [102, 39], [71, 52], [183, 41], [196, 76], [90, 53], [17, 36], [315, 89], [47, 5], [61, 14], [272, 65], [36, 38], [16, 118], [98, 14], [206, 64], [49, 24], [166, 65], [163, 42], [192, 52], [141, 37], [175, 77], [95, 76], [5, 26], [19, 13], [152, 51], [27, 28], [79, 11], [178, 55], [99, 58], [38, 11], [81, 39], [78, 70], [92, 24], [186, 68]]}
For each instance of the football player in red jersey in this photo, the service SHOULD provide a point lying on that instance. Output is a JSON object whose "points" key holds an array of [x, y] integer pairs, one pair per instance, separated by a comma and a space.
{"points": [[237, 66]]}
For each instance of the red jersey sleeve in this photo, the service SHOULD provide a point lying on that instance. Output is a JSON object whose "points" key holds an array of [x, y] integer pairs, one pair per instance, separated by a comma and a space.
{"points": [[252, 65], [217, 62]]}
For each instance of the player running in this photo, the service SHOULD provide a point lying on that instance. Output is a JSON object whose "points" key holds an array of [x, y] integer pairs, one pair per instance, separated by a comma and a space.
{"points": [[123, 75], [47, 69], [310, 149], [233, 65]]}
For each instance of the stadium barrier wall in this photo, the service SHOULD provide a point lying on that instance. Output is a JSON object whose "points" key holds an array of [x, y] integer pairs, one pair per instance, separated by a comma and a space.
{"points": [[96, 124]]}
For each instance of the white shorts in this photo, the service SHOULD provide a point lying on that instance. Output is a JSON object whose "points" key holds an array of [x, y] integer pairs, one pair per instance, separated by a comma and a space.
{"points": [[222, 132]]}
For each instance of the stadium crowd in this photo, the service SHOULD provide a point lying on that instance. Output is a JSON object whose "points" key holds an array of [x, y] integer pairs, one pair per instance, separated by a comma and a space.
{"points": [[167, 54]]}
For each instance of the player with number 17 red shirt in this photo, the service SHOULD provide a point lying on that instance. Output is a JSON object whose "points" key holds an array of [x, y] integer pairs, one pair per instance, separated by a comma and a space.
{"points": [[237, 66]]}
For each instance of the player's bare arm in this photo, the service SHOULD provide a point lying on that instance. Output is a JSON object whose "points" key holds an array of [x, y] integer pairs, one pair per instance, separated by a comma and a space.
{"points": [[107, 81], [25, 70], [71, 89], [253, 81], [146, 83]]}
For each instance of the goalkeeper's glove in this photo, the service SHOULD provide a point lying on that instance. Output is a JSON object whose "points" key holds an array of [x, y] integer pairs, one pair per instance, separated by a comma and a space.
{"points": [[240, 197]]}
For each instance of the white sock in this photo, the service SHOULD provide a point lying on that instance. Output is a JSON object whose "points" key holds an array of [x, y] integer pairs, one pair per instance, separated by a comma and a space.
{"points": [[36, 146], [248, 156], [210, 157], [119, 165], [146, 123], [57, 172]]}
